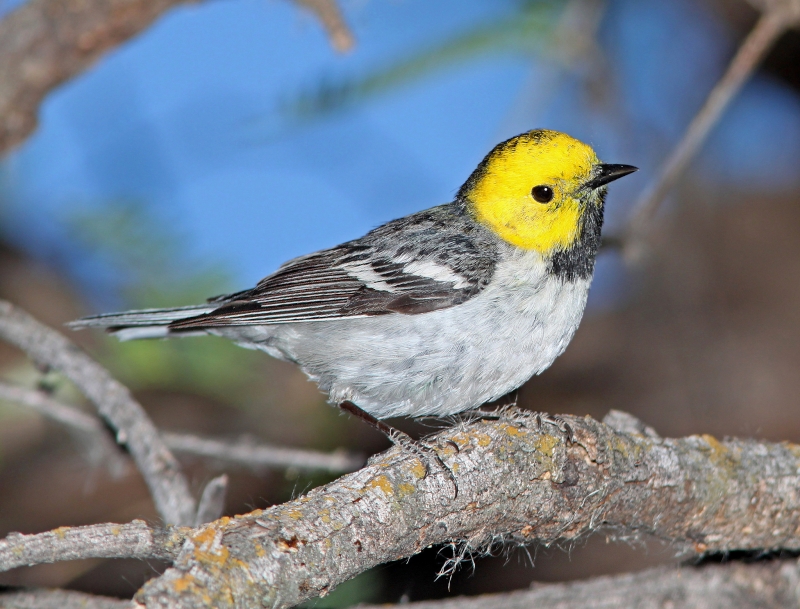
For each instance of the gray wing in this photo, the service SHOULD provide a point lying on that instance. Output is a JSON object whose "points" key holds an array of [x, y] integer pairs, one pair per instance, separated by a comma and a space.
{"points": [[428, 261]]}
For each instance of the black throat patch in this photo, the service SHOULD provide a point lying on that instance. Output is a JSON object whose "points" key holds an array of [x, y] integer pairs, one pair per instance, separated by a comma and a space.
{"points": [[577, 261]]}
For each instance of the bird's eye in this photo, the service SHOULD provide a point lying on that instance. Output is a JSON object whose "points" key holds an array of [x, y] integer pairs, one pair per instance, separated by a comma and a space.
{"points": [[542, 194]]}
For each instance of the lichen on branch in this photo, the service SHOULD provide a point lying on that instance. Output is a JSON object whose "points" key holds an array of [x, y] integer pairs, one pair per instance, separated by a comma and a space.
{"points": [[515, 482]]}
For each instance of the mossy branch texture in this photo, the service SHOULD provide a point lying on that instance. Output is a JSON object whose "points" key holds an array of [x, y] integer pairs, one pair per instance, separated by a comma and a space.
{"points": [[517, 484]]}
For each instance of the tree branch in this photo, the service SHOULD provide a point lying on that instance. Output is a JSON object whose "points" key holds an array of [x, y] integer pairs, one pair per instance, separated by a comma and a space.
{"points": [[243, 452], [697, 493], [779, 16], [160, 469], [133, 540], [94, 435], [733, 586], [247, 453], [60, 599], [45, 42]]}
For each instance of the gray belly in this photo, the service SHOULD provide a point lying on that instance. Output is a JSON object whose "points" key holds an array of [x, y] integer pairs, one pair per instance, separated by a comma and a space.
{"points": [[437, 363]]}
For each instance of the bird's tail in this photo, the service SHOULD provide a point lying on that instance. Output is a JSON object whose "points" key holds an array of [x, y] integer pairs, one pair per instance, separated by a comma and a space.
{"points": [[144, 323]]}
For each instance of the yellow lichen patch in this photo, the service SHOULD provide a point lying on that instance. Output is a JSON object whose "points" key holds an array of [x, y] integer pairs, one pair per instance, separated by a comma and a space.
{"points": [[205, 552], [461, 439], [260, 551], [513, 431], [295, 514], [418, 470], [545, 444], [381, 482], [714, 443], [61, 532], [483, 439], [115, 531], [619, 445], [792, 448], [183, 582], [405, 489], [325, 516]]}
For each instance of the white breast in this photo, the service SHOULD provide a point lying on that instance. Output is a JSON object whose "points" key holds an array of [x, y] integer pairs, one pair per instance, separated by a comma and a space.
{"points": [[442, 362]]}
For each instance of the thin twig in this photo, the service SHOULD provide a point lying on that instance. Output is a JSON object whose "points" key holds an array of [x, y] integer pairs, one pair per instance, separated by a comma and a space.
{"points": [[249, 454], [212, 501], [95, 439], [243, 452], [60, 599], [158, 466], [135, 539], [766, 32]]}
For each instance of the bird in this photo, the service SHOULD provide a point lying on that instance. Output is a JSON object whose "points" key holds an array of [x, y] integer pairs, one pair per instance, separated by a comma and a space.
{"points": [[435, 313]]}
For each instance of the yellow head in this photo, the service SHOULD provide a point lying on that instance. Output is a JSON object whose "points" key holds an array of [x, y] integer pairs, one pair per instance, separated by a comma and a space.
{"points": [[535, 190]]}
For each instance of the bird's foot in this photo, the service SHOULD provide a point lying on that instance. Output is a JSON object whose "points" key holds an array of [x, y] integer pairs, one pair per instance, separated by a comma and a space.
{"points": [[542, 418], [517, 416], [426, 453]]}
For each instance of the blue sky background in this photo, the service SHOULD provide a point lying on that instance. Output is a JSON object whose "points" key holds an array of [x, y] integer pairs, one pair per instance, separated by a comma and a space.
{"points": [[190, 121]]}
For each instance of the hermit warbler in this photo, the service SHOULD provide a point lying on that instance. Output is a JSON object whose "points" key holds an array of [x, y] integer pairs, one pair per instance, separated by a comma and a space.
{"points": [[437, 312]]}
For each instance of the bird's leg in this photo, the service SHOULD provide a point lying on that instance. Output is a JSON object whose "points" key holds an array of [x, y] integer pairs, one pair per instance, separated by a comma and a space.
{"points": [[425, 453]]}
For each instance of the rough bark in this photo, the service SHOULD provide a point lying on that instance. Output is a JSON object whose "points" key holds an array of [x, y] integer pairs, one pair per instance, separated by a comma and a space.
{"points": [[516, 485], [135, 539]]}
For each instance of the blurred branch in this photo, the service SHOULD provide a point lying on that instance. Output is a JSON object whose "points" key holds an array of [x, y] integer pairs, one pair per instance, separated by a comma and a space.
{"points": [[247, 453], [700, 494], [160, 469], [327, 11], [60, 599], [94, 435], [529, 30], [779, 16], [132, 540], [45, 42], [244, 452], [732, 586], [212, 501]]}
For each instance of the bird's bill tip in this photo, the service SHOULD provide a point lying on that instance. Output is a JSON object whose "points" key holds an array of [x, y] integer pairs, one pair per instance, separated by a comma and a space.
{"points": [[605, 173]]}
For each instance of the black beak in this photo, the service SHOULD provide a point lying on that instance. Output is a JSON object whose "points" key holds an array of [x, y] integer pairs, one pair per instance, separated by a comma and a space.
{"points": [[608, 173]]}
